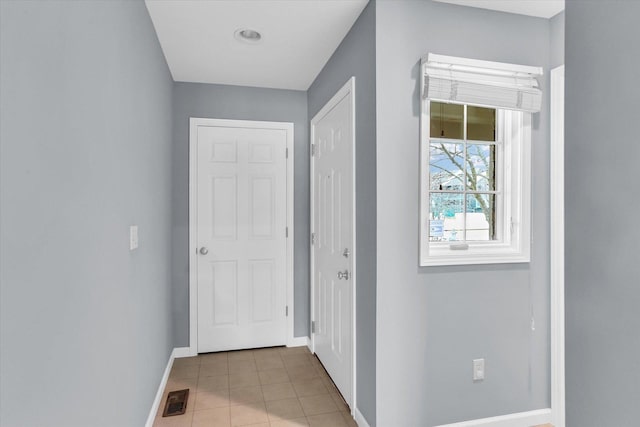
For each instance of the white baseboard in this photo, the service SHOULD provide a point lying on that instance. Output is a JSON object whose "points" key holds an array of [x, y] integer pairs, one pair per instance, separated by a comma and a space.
{"points": [[163, 383], [297, 342], [520, 419], [360, 419], [179, 352]]}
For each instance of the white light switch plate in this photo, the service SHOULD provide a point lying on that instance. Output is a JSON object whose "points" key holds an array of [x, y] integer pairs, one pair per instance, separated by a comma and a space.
{"points": [[478, 369], [133, 237]]}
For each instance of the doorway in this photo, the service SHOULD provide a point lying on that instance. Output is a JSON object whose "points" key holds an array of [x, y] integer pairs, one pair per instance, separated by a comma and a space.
{"points": [[241, 234], [333, 239]]}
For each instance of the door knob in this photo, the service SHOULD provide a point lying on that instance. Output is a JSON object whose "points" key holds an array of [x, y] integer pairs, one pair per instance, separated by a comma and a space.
{"points": [[204, 250], [343, 275]]}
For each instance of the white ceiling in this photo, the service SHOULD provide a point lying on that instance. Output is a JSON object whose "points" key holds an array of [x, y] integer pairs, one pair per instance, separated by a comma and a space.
{"points": [[298, 38], [539, 8]]}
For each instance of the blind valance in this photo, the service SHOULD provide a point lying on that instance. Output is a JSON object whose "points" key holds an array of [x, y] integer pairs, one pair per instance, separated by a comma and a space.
{"points": [[482, 83]]}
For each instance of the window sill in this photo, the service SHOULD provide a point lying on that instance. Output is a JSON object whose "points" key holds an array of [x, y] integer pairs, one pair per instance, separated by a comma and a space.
{"points": [[443, 255]]}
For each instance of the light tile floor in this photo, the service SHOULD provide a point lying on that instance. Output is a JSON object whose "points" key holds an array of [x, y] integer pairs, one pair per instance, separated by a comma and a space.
{"points": [[271, 387]]}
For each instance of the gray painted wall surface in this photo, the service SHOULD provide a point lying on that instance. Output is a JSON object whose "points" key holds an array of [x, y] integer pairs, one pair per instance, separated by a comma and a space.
{"points": [[556, 37], [433, 321], [602, 261], [240, 103], [85, 145], [356, 57]]}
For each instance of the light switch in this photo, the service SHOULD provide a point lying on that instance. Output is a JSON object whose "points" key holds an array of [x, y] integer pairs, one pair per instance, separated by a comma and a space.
{"points": [[478, 369], [133, 237]]}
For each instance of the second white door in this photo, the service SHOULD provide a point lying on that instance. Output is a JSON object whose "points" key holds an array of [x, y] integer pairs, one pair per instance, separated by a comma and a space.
{"points": [[333, 248], [241, 236]]}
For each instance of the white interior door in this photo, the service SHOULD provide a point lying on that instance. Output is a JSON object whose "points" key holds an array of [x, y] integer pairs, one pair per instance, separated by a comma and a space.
{"points": [[241, 237], [333, 248]]}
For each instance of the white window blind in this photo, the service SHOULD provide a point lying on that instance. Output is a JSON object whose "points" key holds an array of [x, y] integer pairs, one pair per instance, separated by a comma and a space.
{"points": [[481, 83]]}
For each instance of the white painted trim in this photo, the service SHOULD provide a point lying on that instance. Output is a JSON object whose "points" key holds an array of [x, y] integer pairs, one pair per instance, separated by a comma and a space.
{"points": [[193, 237], [557, 247], [354, 252], [163, 383], [348, 87], [520, 419], [298, 342], [360, 419], [312, 265], [515, 155], [180, 352], [291, 338], [194, 122]]}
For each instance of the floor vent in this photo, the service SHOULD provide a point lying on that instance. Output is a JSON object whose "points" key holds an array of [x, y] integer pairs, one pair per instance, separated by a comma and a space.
{"points": [[176, 403]]}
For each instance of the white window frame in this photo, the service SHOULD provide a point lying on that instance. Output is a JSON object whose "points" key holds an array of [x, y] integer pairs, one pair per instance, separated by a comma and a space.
{"points": [[513, 205]]}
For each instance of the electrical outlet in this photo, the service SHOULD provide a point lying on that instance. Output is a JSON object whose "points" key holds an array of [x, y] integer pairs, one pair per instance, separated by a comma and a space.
{"points": [[478, 369], [133, 237]]}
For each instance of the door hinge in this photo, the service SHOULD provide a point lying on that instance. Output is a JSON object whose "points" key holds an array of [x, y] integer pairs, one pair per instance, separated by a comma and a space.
{"points": [[313, 326], [286, 311], [286, 232], [286, 153], [313, 150], [313, 239]]}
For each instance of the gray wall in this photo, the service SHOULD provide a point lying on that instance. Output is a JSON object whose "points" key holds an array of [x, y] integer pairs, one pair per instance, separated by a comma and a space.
{"points": [[356, 57], [240, 103], [85, 147], [556, 37], [433, 321], [602, 262]]}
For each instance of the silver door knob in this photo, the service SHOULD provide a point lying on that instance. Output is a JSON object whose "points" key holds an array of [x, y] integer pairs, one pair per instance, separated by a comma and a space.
{"points": [[343, 275], [204, 250]]}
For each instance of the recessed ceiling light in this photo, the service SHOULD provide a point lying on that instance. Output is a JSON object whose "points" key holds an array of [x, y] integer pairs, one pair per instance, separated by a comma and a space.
{"points": [[248, 35]]}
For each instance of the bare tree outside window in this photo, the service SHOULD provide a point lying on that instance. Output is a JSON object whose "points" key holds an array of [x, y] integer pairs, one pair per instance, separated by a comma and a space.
{"points": [[462, 172]]}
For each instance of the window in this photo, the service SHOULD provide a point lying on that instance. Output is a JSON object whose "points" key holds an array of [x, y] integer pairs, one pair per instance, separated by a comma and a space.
{"points": [[463, 183], [475, 175]]}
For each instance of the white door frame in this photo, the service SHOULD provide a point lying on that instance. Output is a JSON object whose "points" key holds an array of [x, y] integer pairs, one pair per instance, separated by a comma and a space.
{"points": [[557, 247], [194, 123], [349, 87]]}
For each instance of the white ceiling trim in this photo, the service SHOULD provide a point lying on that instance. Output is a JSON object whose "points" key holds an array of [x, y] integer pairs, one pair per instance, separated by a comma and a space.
{"points": [[298, 38], [539, 8]]}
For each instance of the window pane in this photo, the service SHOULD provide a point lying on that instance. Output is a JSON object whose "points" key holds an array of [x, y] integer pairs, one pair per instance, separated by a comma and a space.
{"points": [[481, 124], [446, 211], [447, 120], [446, 170], [480, 218], [481, 167]]}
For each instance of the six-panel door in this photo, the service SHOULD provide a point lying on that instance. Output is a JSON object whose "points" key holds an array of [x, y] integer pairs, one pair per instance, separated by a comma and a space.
{"points": [[241, 223], [333, 248]]}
